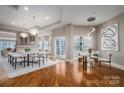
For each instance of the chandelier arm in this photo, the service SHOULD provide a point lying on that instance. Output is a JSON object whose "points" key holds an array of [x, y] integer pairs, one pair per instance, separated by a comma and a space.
{"points": [[34, 30]]}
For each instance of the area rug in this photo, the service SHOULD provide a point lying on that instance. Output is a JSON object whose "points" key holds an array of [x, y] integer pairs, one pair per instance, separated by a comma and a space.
{"points": [[20, 70]]}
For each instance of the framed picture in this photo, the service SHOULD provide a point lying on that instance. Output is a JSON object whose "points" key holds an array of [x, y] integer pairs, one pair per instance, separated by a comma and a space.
{"points": [[109, 38]]}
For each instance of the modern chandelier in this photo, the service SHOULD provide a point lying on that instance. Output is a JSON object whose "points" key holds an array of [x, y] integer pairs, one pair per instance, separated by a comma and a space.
{"points": [[92, 28], [24, 35], [35, 29]]}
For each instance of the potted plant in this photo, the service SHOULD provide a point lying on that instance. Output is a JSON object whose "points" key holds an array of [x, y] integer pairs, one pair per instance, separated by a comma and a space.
{"points": [[27, 49]]}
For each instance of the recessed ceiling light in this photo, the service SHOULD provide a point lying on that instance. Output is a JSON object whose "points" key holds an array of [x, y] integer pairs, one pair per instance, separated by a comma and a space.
{"points": [[47, 17], [26, 8], [12, 23]]}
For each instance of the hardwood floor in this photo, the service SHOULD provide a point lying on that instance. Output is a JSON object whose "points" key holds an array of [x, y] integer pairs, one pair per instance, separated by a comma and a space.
{"points": [[69, 74]]}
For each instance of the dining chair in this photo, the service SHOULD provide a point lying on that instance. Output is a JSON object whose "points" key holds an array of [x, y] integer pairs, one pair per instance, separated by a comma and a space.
{"points": [[90, 62], [42, 57], [93, 54], [106, 60], [34, 59], [87, 61], [18, 60], [51, 57], [37, 58]]}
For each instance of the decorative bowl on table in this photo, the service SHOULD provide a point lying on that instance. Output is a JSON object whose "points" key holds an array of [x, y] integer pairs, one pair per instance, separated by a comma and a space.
{"points": [[90, 50]]}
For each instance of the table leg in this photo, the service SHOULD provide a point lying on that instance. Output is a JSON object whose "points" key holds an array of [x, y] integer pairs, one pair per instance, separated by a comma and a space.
{"points": [[39, 62], [24, 61], [46, 57], [43, 60], [84, 62], [10, 59], [28, 59], [15, 62]]}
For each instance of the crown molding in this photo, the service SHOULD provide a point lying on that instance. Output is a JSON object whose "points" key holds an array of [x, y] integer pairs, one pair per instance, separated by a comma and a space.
{"points": [[11, 28], [51, 25]]}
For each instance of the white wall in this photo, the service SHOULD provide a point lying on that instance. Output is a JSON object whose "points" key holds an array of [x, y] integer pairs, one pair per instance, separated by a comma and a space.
{"points": [[118, 57], [83, 30], [69, 31]]}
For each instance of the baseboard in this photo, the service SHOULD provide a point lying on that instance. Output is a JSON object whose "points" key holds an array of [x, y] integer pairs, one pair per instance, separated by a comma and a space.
{"points": [[113, 64], [68, 60], [117, 66]]}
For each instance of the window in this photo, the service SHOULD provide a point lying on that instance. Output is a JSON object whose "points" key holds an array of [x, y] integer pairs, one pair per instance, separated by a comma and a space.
{"points": [[60, 47], [40, 43], [7, 44], [81, 43], [87, 43], [7, 40], [44, 43]]}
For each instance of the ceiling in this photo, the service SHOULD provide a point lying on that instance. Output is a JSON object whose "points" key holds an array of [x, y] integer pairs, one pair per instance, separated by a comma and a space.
{"points": [[57, 15]]}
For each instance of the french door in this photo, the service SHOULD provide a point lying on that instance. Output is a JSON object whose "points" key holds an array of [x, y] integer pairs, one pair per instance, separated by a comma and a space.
{"points": [[60, 44]]}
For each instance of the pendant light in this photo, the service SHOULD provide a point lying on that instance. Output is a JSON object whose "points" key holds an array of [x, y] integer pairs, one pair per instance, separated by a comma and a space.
{"points": [[92, 28], [35, 29], [24, 35]]}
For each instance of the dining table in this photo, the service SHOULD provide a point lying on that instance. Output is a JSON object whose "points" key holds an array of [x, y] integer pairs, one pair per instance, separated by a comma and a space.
{"points": [[85, 57], [15, 55]]}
